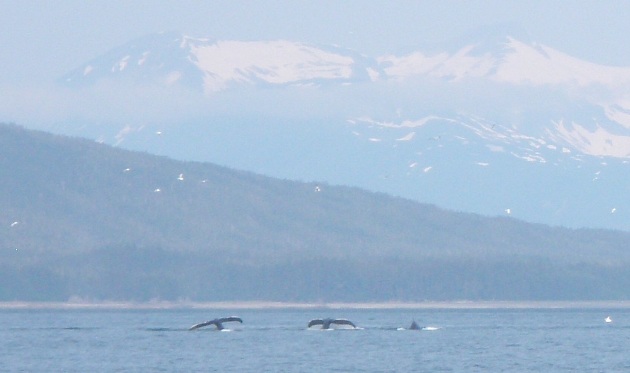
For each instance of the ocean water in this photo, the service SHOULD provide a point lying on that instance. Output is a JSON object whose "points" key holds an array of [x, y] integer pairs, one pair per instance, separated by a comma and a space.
{"points": [[271, 340]]}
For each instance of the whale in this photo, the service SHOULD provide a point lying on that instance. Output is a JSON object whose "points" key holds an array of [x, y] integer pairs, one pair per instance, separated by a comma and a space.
{"points": [[325, 323], [217, 322], [414, 326]]}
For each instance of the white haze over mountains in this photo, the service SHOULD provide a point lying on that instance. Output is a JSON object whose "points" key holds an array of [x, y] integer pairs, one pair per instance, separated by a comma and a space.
{"points": [[495, 125]]}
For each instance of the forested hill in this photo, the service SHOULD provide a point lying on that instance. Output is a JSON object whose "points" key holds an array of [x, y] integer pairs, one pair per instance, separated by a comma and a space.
{"points": [[82, 219]]}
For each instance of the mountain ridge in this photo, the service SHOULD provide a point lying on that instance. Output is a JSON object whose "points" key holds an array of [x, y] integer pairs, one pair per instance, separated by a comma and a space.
{"points": [[81, 219], [221, 62], [528, 59], [282, 108]]}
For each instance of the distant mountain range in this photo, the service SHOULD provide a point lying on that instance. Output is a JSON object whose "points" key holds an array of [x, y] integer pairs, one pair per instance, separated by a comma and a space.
{"points": [[213, 65], [493, 124], [85, 220]]}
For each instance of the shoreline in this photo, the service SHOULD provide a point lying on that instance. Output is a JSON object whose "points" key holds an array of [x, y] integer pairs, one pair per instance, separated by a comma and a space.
{"points": [[269, 305]]}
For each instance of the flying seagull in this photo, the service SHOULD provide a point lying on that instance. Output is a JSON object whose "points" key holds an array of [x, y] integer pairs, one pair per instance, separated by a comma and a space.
{"points": [[325, 323], [217, 322]]}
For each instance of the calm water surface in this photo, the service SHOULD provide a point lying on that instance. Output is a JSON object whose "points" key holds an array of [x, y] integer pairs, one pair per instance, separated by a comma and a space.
{"points": [[464, 340]]}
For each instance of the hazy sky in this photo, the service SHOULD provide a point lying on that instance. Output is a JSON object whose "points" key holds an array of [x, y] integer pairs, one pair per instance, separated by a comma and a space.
{"points": [[41, 40]]}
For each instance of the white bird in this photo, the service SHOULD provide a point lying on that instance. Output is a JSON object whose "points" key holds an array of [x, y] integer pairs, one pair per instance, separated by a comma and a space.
{"points": [[613, 210], [318, 189], [157, 190], [608, 319], [181, 177], [14, 224], [508, 211]]}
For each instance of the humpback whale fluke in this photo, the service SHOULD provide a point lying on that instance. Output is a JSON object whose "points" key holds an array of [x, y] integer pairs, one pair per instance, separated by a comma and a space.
{"points": [[325, 323], [217, 322]]}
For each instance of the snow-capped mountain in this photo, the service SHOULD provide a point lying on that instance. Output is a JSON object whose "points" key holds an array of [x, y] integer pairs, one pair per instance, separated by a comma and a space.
{"points": [[520, 64], [214, 65], [498, 125], [510, 61]]}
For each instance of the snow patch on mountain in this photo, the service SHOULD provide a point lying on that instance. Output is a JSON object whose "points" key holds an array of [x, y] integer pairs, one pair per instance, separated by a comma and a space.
{"points": [[143, 58], [518, 63], [403, 124], [407, 137], [619, 113], [274, 62], [498, 138], [598, 142], [121, 64]]}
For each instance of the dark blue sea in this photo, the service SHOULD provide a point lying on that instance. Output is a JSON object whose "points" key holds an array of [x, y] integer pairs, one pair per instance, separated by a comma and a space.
{"points": [[272, 340]]}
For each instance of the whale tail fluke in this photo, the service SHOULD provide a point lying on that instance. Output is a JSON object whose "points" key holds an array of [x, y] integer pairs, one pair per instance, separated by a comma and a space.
{"points": [[230, 318], [325, 323], [344, 322], [315, 322], [217, 322]]}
